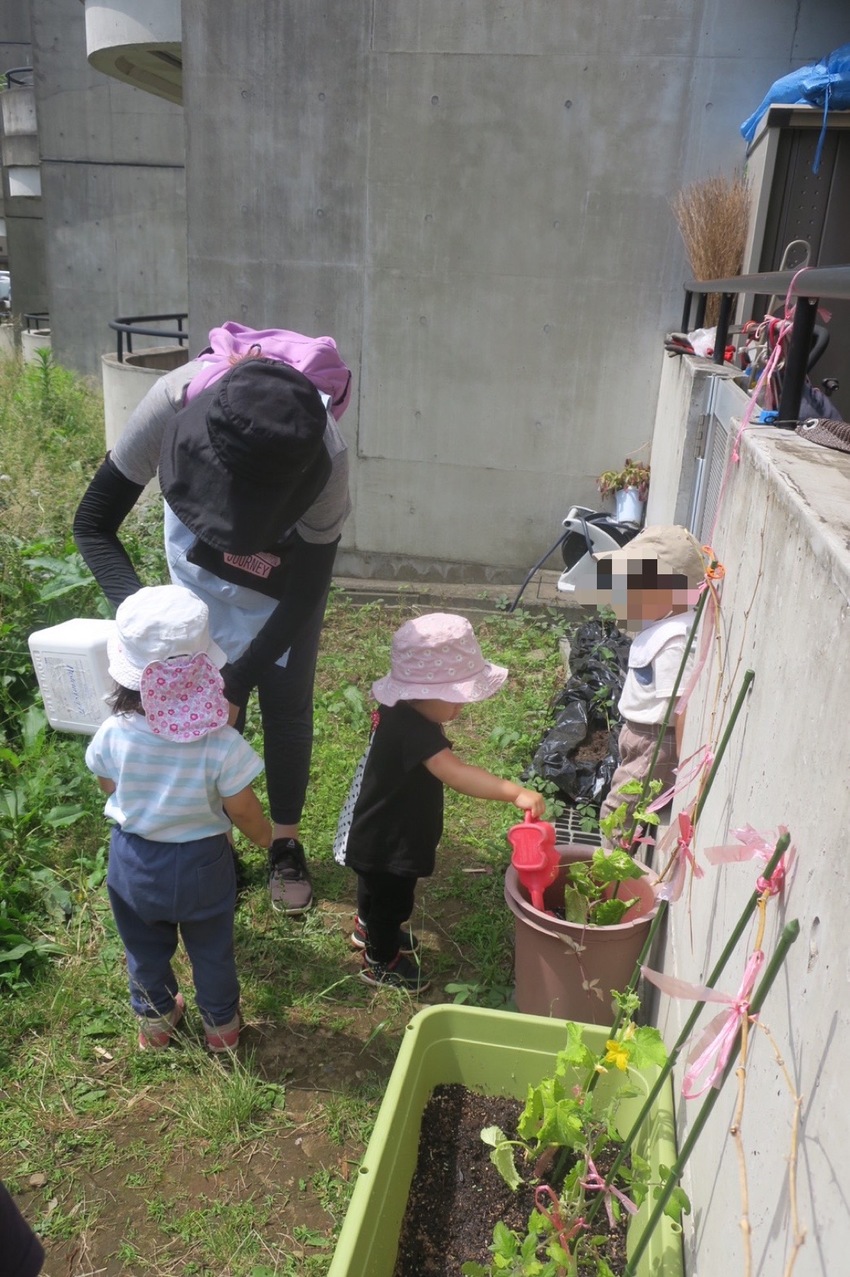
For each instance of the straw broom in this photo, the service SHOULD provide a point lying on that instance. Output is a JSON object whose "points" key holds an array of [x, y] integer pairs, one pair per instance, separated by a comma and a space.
{"points": [[713, 216]]}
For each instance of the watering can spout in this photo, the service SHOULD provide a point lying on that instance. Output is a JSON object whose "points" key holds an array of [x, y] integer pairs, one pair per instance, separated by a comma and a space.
{"points": [[534, 856]]}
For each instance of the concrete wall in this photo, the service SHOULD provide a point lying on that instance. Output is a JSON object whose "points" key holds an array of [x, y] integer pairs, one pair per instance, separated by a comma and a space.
{"points": [[783, 535], [113, 192], [24, 227], [473, 199]]}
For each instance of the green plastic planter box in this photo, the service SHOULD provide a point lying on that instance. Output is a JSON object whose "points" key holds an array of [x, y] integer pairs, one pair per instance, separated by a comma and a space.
{"points": [[494, 1053]]}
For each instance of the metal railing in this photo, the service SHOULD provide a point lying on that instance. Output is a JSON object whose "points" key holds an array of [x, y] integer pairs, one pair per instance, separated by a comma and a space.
{"points": [[19, 78], [33, 320], [132, 326], [809, 286]]}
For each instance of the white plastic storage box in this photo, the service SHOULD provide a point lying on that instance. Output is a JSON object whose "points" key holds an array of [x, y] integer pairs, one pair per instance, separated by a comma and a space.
{"points": [[71, 666]]}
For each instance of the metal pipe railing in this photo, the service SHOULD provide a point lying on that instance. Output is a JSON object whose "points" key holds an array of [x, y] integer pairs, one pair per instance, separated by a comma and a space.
{"points": [[132, 326], [808, 286], [20, 77]]}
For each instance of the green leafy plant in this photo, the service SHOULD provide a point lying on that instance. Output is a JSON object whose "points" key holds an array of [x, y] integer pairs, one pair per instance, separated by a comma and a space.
{"points": [[566, 1131], [619, 827], [588, 898], [633, 474]]}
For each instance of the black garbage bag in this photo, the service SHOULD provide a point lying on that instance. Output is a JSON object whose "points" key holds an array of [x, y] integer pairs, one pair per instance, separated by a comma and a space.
{"points": [[585, 710]]}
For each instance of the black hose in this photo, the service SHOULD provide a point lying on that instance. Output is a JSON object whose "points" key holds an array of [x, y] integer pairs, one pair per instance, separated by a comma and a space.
{"points": [[561, 539]]}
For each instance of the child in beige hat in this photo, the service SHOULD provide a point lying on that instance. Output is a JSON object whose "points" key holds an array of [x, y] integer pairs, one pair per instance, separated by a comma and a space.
{"points": [[654, 582]]}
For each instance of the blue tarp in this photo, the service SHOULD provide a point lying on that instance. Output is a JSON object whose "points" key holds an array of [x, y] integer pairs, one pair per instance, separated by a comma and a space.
{"points": [[825, 83]]}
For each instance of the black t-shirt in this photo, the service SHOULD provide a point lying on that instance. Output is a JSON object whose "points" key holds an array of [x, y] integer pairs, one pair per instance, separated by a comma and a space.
{"points": [[398, 817]]}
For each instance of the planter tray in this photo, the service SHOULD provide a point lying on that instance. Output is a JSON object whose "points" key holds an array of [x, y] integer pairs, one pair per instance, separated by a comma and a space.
{"points": [[494, 1053]]}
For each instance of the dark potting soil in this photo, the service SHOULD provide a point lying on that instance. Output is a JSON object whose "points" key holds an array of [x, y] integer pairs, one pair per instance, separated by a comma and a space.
{"points": [[457, 1196], [594, 747]]}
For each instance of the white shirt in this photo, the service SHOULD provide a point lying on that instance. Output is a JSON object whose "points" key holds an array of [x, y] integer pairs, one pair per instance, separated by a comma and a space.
{"points": [[168, 790], [654, 659]]}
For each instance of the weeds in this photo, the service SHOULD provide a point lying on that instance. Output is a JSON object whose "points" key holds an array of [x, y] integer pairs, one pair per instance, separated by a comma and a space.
{"points": [[174, 1162]]}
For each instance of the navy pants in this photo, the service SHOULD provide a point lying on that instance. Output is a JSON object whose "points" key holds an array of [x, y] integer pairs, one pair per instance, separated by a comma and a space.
{"points": [[161, 892], [384, 902]]}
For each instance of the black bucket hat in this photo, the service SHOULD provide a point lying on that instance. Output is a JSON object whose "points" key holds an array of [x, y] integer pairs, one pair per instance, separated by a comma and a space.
{"points": [[243, 461]]}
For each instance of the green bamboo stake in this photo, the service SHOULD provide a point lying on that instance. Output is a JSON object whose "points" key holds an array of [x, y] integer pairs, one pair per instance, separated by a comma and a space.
{"points": [[662, 906], [749, 675], [738, 930], [789, 935]]}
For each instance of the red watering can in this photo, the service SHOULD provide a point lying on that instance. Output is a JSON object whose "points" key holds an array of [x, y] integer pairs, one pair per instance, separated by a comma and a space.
{"points": [[534, 856]]}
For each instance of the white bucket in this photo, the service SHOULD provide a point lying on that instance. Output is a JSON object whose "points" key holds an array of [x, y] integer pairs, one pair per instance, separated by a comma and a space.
{"points": [[628, 507], [72, 669]]}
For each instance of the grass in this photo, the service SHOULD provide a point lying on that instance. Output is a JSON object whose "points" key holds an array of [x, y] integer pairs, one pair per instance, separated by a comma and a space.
{"points": [[176, 1162]]}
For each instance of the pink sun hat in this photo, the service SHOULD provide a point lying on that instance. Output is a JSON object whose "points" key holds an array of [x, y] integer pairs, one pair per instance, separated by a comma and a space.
{"points": [[183, 698], [437, 657]]}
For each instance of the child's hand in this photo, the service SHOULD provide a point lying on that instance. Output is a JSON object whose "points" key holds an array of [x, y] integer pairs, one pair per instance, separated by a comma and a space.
{"points": [[531, 800]]}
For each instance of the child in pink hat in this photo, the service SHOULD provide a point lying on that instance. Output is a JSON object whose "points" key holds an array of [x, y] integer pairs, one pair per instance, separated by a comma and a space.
{"points": [[393, 818], [175, 776]]}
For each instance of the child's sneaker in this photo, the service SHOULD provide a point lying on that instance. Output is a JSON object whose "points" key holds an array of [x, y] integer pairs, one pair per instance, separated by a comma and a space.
{"points": [[407, 941], [401, 973], [223, 1037], [155, 1031]]}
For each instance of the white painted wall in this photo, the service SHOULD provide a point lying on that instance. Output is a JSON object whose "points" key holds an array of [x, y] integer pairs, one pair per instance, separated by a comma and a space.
{"points": [[783, 535]]}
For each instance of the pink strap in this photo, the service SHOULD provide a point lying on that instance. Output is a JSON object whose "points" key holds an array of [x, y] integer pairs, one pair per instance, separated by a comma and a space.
{"points": [[756, 846], [712, 1049], [671, 889], [594, 1181]]}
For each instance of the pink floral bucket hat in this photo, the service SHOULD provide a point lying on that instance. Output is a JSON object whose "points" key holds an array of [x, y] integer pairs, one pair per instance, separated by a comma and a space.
{"points": [[437, 657]]}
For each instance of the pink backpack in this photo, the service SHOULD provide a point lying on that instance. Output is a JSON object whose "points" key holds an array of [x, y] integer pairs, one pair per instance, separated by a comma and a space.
{"points": [[317, 357]]}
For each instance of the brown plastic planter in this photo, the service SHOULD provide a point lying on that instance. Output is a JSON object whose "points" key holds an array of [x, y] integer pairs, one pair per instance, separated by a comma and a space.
{"points": [[565, 970]]}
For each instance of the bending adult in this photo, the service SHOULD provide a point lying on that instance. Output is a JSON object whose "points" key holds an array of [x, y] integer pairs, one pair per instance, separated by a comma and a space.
{"points": [[254, 472]]}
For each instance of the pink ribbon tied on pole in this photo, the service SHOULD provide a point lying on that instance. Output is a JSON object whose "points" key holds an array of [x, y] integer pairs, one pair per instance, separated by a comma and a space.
{"points": [[690, 769], [756, 846], [711, 1051], [672, 888], [596, 1182]]}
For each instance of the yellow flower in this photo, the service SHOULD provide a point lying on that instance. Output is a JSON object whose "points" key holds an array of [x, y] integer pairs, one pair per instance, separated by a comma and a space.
{"points": [[616, 1053]]}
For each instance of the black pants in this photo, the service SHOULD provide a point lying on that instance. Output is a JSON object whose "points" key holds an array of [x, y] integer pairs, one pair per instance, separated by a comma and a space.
{"points": [[285, 694], [384, 902]]}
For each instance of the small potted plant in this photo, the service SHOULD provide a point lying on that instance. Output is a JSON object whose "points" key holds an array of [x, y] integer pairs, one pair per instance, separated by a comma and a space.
{"points": [[629, 487], [596, 916]]}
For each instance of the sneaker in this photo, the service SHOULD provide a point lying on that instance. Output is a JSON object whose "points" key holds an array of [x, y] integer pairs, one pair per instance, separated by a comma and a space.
{"points": [[407, 941], [155, 1031], [223, 1037], [289, 879], [401, 973]]}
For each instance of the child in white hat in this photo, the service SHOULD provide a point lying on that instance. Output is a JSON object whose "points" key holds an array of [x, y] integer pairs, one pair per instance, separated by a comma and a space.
{"points": [[176, 776], [393, 819]]}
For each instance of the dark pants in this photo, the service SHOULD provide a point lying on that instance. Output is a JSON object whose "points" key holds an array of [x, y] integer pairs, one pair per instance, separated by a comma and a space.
{"points": [[285, 694], [160, 892], [384, 902]]}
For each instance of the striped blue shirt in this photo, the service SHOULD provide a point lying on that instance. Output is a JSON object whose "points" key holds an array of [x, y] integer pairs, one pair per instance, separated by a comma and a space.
{"points": [[167, 790]]}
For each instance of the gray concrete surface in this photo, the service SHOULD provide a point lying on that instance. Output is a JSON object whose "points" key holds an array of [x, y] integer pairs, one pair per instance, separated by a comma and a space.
{"points": [[113, 192], [474, 200]]}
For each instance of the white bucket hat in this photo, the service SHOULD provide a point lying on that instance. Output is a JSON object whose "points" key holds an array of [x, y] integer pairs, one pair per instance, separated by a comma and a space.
{"points": [[158, 623], [437, 657]]}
